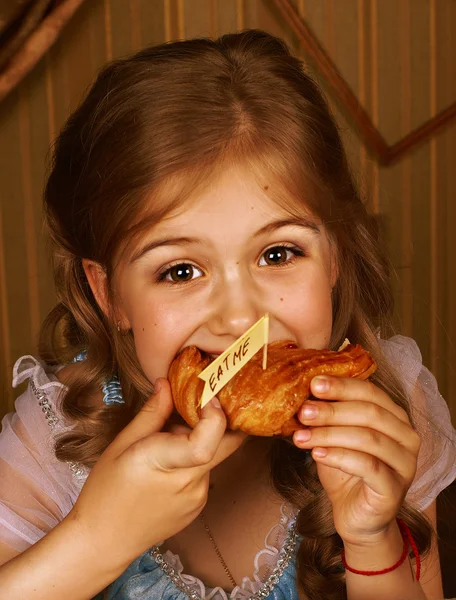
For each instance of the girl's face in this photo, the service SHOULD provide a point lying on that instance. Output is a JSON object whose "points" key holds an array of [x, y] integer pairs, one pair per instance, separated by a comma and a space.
{"points": [[204, 276]]}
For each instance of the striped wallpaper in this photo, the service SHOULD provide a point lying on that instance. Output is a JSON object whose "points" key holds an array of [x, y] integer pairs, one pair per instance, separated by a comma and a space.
{"points": [[398, 56]]}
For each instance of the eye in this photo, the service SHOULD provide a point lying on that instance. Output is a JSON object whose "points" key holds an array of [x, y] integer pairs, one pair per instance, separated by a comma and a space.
{"points": [[279, 255], [180, 273]]}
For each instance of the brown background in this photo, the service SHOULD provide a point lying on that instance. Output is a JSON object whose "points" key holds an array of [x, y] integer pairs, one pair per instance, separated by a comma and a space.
{"points": [[398, 56]]}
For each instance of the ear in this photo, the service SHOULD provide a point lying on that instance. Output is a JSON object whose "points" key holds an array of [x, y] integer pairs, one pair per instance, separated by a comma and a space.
{"points": [[98, 281]]}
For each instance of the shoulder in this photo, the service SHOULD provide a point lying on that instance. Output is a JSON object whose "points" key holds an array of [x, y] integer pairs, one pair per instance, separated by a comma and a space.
{"points": [[431, 418], [42, 397], [401, 345], [53, 381], [38, 419], [405, 358], [36, 489]]}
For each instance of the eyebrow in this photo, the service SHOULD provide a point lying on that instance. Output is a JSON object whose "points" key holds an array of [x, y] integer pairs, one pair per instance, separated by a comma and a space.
{"points": [[269, 228], [293, 222], [179, 241]]}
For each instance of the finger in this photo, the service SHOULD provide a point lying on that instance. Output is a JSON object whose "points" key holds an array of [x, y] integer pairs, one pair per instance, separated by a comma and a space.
{"points": [[203, 447], [179, 429], [375, 474], [224, 446], [347, 388], [362, 439], [206, 436], [150, 419], [230, 442], [360, 414]]}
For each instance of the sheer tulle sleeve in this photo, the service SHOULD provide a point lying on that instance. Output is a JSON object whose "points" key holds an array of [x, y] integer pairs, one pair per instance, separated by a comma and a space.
{"points": [[431, 417], [36, 490]]}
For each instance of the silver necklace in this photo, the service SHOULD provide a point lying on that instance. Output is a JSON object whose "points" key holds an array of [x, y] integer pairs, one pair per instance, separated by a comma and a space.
{"points": [[284, 559]]}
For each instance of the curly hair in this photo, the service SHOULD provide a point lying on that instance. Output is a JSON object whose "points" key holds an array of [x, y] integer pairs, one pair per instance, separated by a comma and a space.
{"points": [[157, 125]]}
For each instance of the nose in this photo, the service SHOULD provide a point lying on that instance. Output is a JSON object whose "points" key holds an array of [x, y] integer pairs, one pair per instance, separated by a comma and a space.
{"points": [[237, 305]]}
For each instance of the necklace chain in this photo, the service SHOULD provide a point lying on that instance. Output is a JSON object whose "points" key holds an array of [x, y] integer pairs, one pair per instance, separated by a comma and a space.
{"points": [[217, 551], [286, 554]]}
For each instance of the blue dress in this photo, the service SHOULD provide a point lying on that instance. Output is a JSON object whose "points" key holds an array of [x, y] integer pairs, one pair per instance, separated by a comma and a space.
{"points": [[145, 579]]}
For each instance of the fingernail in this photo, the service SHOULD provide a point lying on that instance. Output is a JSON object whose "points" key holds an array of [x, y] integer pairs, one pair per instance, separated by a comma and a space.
{"points": [[303, 435], [309, 411], [157, 387], [321, 452], [320, 384], [215, 403]]}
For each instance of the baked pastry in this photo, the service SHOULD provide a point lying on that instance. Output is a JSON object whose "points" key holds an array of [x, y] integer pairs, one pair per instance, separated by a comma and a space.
{"points": [[264, 402]]}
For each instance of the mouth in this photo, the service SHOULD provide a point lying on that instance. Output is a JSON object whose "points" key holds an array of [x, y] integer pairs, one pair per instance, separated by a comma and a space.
{"points": [[212, 354]]}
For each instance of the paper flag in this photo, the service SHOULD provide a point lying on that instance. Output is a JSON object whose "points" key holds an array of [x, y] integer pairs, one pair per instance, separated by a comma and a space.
{"points": [[225, 366]]}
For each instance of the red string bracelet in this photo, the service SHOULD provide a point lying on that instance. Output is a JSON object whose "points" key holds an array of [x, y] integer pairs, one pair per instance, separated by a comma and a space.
{"points": [[408, 539]]}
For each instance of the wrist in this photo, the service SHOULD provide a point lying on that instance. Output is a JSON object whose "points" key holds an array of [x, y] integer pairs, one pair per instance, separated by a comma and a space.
{"points": [[390, 535], [102, 555], [380, 551], [377, 552]]}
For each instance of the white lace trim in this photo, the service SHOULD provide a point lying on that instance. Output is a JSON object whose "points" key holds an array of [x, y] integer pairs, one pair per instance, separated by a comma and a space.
{"points": [[264, 563], [28, 367]]}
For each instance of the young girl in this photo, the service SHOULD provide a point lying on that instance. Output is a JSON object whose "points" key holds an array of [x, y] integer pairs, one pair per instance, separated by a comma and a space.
{"points": [[200, 185]]}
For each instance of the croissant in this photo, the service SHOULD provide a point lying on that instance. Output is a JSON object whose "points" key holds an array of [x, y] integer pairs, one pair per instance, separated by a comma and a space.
{"points": [[264, 402]]}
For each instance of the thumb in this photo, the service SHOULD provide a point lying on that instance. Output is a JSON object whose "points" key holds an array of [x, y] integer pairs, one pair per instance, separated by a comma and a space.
{"points": [[151, 418]]}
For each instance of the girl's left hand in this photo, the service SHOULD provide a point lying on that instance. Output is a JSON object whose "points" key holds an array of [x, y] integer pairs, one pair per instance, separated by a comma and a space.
{"points": [[371, 454]]}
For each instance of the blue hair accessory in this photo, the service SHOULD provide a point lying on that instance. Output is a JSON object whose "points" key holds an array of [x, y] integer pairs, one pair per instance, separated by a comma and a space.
{"points": [[80, 357], [112, 391]]}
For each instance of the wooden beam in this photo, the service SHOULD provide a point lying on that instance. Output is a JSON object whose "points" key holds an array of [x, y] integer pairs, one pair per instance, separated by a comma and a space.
{"points": [[371, 137]]}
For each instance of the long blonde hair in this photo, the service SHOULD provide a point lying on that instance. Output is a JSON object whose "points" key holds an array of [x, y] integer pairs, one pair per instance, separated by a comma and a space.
{"points": [[182, 111]]}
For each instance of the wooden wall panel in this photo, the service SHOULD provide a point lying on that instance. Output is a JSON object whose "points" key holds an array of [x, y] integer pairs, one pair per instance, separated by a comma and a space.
{"points": [[5, 350], [98, 24], [449, 289], [195, 23], [78, 54], [398, 58], [226, 16], [152, 22], [121, 27], [442, 95], [343, 38], [421, 176], [390, 68], [58, 88], [404, 299], [14, 240], [35, 93]]}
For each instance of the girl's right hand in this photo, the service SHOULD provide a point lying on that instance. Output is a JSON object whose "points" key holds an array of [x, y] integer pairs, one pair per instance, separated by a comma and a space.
{"points": [[148, 485]]}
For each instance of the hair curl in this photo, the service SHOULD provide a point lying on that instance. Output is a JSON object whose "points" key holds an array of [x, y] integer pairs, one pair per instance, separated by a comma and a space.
{"points": [[180, 112]]}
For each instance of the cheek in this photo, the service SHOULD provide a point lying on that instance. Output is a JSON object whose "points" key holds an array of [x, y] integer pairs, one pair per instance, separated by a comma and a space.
{"points": [[307, 312], [159, 333]]}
